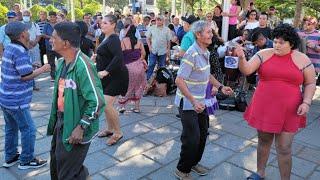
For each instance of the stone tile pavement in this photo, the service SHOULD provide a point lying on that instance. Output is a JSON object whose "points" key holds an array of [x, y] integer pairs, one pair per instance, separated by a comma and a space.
{"points": [[150, 147]]}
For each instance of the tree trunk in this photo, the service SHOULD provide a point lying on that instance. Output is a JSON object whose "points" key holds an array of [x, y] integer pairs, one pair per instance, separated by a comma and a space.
{"points": [[81, 4], [298, 13]]}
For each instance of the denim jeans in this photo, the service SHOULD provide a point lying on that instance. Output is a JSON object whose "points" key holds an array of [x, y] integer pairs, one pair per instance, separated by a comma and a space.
{"points": [[19, 119], [153, 59]]}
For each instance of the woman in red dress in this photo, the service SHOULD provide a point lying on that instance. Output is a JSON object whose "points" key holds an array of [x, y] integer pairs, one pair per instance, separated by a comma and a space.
{"points": [[278, 107]]}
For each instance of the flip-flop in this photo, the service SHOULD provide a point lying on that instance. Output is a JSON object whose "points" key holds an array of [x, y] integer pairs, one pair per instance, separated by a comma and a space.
{"points": [[105, 133], [122, 110], [255, 176], [114, 139], [136, 110]]}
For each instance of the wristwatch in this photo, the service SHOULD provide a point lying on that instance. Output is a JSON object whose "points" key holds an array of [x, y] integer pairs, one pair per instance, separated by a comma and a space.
{"points": [[83, 126]]}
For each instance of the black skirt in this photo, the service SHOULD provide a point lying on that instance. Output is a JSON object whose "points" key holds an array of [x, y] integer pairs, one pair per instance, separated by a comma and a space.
{"points": [[116, 84]]}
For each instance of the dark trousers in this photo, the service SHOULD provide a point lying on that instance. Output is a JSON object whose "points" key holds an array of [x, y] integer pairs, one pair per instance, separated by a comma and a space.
{"points": [[51, 55], [66, 165], [193, 138], [232, 33], [43, 50], [146, 48]]}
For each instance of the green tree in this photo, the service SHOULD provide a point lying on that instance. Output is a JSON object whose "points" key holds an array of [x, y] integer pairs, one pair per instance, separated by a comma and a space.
{"points": [[78, 13], [163, 5], [116, 4], [3, 14], [9, 3], [192, 4], [286, 8], [35, 9], [92, 7], [50, 7]]}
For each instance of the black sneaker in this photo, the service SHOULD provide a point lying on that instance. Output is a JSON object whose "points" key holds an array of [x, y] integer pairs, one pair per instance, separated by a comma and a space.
{"points": [[12, 161], [33, 164]]}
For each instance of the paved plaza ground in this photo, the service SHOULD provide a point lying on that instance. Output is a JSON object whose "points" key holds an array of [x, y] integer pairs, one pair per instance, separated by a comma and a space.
{"points": [[151, 145]]}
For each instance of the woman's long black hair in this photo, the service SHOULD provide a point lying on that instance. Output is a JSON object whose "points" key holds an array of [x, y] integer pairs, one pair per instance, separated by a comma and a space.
{"points": [[132, 35]]}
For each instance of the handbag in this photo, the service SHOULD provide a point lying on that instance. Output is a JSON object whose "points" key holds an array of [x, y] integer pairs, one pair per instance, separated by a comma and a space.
{"points": [[240, 100]]}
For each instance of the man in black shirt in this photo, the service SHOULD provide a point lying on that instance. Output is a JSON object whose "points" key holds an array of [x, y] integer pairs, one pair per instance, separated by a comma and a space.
{"points": [[263, 28], [41, 23]]}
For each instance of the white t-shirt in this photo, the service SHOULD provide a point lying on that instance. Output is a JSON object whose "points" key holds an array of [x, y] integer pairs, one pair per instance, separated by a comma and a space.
{"points": [[252, 25], [137, 4]]}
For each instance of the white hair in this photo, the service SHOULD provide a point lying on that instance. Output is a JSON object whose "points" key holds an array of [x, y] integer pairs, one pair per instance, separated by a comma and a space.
{"points": [[199, 27]]}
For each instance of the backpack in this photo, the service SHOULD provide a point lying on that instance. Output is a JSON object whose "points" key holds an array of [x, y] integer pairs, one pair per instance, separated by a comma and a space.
{"points": [[164, 75]]}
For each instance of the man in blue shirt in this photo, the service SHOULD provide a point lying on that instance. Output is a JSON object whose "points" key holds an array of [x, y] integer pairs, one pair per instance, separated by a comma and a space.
{"points": [[47, 32], [188, 38], [4, 39], [260, 41], [15, 97]]}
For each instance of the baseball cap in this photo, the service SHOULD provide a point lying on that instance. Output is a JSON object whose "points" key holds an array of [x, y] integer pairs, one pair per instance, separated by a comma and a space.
{"points": [[190, 19], [14, 29], [11, 14]]}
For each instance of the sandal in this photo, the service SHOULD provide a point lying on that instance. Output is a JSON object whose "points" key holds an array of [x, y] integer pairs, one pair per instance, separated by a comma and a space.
{"points": [[114, 139], [255, 176], [105, 133], [122, 110], [136, 110]]}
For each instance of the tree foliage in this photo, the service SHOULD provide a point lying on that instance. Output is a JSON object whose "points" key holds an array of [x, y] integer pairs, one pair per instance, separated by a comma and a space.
{"points": [[50, 7], [78, 13], [286, 8], [3, 16], [116, 4], [92, 7], [35, 9], [164, 5]]}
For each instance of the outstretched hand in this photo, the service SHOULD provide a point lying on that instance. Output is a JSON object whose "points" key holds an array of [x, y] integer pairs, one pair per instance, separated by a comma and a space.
{"points": [[227, 90]]}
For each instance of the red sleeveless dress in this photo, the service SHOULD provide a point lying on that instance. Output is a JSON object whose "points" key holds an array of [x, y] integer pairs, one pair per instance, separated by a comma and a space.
{"points": [[275, 102]]}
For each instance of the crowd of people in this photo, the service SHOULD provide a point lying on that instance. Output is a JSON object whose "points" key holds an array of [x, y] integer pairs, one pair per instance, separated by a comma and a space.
{"points": [[101, 61]]}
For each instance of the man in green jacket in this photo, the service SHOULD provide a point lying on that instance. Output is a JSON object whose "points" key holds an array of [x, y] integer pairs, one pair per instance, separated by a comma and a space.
{"points": [[76, 107]]}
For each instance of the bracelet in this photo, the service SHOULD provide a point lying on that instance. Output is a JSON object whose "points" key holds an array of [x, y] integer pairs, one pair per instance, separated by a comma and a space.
{"points": [[304, 102]]}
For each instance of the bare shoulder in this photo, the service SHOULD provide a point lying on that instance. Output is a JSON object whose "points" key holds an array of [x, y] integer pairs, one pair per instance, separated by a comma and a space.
{"points": [[300, 58], [300, 55], [266, 53]]}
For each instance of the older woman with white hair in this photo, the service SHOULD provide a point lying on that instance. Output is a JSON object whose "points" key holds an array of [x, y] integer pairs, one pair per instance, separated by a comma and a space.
{"points": [[192, 81]]}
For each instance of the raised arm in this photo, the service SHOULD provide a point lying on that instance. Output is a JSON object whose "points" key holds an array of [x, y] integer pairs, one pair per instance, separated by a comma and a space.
{"points": [[249, 67]]}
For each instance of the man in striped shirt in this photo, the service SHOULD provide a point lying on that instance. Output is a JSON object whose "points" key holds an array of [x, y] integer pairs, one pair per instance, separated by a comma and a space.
{"points": [[15, 96], [312, 37], [192, 80]]}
